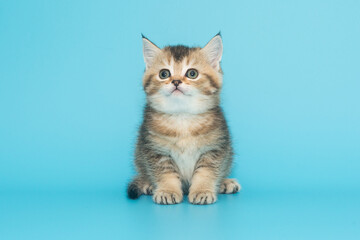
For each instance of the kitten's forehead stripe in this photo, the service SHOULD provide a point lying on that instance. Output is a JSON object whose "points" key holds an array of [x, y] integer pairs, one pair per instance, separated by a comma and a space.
{"points": [[179, 52], [169, 59]]}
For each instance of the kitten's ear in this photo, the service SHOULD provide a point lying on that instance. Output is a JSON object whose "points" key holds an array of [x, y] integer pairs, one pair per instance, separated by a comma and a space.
{"points": [[150, 51], [213, 51]]}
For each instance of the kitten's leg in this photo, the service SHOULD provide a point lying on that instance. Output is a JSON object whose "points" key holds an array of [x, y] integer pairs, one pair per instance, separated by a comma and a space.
{"points": [[204, 184], [229, 185], [167, 181]]}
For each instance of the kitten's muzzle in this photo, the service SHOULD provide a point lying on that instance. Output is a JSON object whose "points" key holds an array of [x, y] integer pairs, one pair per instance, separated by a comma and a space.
{"points": [[176, 82]]}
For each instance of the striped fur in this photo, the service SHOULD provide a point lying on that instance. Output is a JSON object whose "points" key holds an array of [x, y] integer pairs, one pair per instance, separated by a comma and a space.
{"points": [[184, 145]]}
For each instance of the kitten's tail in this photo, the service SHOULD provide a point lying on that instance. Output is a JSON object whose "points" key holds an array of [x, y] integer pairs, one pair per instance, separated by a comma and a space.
{"points": [[134, 188]]}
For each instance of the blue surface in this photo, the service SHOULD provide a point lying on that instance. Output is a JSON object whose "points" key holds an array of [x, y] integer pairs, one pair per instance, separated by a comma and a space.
{"points": [[248, 215], [71, 101]]}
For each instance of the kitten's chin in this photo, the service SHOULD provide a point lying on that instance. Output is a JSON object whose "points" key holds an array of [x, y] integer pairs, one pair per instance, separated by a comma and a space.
{"points": [[178, 103]]}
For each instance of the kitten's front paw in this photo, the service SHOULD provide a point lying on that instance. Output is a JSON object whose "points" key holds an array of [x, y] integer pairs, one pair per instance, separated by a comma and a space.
{"points": [[167, 197], [202, 197]]}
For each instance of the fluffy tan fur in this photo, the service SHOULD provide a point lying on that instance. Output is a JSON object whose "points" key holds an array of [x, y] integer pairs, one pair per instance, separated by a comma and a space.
{"points": [[184, 145]]}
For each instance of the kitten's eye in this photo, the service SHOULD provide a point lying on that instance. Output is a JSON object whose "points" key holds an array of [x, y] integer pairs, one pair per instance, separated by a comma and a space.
{"points": [[164, 73], [192, 73]]}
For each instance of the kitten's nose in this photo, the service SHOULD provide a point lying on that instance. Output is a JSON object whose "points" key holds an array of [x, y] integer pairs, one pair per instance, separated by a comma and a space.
{"points": [[176, 82]]}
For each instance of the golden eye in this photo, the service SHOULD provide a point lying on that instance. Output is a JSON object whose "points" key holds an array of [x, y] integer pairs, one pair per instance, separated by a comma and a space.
{"points": [[164, 73], [192, 73]]}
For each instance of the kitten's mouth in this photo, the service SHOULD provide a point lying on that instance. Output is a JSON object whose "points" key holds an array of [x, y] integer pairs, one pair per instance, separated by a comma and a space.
{"points": [[177, 91]]}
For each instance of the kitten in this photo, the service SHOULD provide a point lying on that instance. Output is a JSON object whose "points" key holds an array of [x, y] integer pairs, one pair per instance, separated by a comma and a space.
{"points": [[183, 145]]}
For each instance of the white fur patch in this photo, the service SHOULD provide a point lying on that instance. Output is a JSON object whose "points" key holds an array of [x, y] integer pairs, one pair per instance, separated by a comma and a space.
{"points": [[186, 161], [190, 101], [179, 103]]}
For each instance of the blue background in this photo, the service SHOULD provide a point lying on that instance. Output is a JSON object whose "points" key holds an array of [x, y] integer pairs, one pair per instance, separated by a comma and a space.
{"points": [[71, 101]]}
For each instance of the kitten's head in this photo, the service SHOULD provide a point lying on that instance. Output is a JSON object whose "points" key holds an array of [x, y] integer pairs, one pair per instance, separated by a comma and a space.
{"points": [[179, 79]]}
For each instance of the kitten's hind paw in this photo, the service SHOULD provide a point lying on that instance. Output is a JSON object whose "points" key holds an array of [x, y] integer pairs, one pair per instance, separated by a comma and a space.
{"points": [[147, 189], [167, 197], [229, 186]]}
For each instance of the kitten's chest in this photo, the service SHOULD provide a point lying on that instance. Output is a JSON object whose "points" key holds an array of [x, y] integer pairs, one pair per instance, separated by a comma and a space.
{"points": [[186, 153], [185, 138]]}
